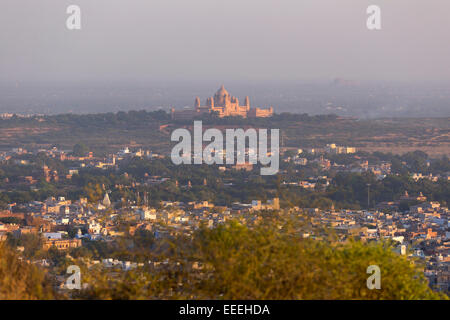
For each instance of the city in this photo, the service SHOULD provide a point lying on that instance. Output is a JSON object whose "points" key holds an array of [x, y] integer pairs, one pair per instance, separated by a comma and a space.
{"points": [[224, 159], [75, 202]]}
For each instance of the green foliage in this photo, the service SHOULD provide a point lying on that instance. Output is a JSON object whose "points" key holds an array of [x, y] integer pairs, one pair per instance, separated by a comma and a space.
{"points": [[353, 188], [12, 220], [94, 192], [264, 263], [20, 280], [80, 150], [268, 261], [31, 242]]}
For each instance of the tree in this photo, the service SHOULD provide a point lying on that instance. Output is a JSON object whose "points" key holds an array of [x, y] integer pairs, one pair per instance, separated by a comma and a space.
{"points": [[263, 263], [20, 280], [94, 192], [268, 261], [80, 150]]}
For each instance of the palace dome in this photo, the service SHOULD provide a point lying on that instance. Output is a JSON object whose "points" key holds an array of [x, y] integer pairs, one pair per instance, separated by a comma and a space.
{"points": [[222, 92]]}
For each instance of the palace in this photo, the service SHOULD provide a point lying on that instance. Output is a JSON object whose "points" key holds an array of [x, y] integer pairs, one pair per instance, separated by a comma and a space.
{"points": [[224, 105], [62, 244]]}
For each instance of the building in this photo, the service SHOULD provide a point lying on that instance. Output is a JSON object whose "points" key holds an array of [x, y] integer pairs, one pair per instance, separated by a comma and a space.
{"points": [[273, 204], [243, 166], [62, 244], [224, 105], [333, 148], [50, 175], [106, 201], [147, 214]]}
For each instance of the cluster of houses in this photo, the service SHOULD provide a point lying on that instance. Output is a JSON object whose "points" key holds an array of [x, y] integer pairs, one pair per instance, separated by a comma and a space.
{"points": [[423, 232]]}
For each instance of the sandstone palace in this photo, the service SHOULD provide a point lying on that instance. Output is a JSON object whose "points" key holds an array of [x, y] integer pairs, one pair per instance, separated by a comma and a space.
{"points": [[224, 105]]}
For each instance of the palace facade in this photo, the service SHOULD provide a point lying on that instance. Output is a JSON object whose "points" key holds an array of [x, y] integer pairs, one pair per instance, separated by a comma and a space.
{"points": [[224, 105], [62, 244]]}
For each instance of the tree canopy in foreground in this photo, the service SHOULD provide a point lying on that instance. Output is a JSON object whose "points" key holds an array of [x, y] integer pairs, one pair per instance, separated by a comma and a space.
{"points": [[267, 261], [20, 280]]}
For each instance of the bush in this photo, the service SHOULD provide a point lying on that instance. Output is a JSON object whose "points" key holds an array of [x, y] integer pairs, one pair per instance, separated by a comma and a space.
{"points": [[20, 280], [269, 261]]}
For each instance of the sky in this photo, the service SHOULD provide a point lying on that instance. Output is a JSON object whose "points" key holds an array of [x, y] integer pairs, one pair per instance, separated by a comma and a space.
{"points": [[219, 41]]}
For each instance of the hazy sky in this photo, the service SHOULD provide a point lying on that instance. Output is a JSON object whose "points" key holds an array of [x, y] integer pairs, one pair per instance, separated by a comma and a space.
{"points": [[248, 40]]}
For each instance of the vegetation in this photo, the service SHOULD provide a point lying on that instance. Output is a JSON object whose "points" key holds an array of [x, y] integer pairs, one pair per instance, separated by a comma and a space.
{"points": [[20, 280], [347, 189], [269, 261], [105, 131]]}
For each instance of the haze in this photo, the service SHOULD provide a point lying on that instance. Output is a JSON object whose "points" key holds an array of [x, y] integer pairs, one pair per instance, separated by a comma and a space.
{"points": [[210, 42], [224, 40]]}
